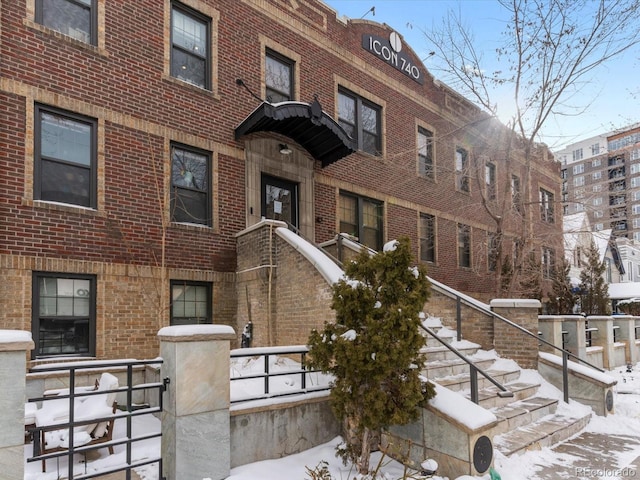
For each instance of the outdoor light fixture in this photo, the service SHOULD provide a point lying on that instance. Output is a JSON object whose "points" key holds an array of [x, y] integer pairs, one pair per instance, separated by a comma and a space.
{"points": [[284, 149]]}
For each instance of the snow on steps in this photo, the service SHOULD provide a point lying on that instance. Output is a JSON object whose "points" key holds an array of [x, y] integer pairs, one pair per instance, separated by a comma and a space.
{"points": [[528, 420]]}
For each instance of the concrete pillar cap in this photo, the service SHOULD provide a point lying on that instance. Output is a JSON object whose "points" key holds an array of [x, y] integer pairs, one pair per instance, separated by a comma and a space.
{"points": [[13, 340], [515, 303], [196, 333]]}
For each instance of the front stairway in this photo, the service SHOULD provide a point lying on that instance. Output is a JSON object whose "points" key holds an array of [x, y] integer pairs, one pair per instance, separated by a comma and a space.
{"points": [[532, 418]]}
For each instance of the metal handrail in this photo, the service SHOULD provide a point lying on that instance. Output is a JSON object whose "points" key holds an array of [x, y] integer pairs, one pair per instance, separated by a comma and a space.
{"points": [[473, 370], [565, 353]]}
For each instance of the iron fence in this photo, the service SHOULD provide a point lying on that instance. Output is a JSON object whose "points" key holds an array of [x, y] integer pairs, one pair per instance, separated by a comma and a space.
{"points": [[126, 412]]}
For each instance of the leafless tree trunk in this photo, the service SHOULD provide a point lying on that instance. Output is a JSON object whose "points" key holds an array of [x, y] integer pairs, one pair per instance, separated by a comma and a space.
{"points": [[552, 49]]}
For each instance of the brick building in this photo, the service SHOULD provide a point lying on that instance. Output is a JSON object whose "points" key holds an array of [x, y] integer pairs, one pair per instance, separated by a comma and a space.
{"points": [[138, 139], [601, 177]]}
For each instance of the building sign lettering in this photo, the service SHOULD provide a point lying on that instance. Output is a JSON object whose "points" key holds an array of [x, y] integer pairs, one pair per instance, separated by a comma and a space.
{"points": [[390, 51]]}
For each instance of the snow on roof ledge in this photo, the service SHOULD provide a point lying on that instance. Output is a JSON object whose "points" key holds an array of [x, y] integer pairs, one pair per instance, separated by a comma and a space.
{"points": [[329, 270]]}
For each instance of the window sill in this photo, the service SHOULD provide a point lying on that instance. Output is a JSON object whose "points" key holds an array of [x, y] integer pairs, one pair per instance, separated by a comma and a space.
{"points": [[65, 38], [190, 86], [62, 207], [195, 227]]}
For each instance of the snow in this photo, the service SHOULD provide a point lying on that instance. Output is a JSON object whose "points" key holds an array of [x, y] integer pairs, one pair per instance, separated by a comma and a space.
{"points": [[460, 409], [14, 336], [579, 368], [625, 422], [349, 335], [189, 330], [390, 246]]}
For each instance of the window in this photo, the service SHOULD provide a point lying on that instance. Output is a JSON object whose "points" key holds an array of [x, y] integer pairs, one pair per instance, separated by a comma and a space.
{"points": [[462, 170], [278, 77], [490, 180], [190, 302], [578, 169], [425, 153], [563, 174], [597, 188], [635, 154], [636, 223], [598, 227], [546, 206], [64, 314], [190, 41], [464, 246], [596, 175], [595, 150], [515, 193], [427, 238], [598, 214], [636, 195], [492, 251], [361, 120], [579, 207], [548, 262], [75, 18], [635, 168], [636, 209], [577, 155], [597, 201], [190, 186], [65, 158], [578, 181], [362, 218], [635, 182]]}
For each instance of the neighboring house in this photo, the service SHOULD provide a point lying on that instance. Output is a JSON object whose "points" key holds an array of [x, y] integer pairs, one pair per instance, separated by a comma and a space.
{"points": [[139, 138]]}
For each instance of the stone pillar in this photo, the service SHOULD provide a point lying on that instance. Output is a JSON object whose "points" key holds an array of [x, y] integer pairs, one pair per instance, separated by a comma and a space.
{"points": [[576, 339], [627, 334], [510, 342], [603, 337], [13, 364], [550, 327], [195, 420]]}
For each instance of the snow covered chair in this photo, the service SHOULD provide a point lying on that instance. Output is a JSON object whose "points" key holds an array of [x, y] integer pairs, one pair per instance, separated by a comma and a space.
{"points": [[86, 408]]}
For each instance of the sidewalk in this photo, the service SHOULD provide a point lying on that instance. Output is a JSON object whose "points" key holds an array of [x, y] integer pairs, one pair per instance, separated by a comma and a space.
{"points": [[591, 456]]}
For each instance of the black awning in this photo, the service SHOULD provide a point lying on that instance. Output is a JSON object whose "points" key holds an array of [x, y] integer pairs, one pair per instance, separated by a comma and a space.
{"points": [[306, 123]]}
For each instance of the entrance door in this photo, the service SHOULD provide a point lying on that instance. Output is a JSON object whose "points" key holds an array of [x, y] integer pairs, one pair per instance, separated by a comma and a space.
{"points": [[279, 200]]}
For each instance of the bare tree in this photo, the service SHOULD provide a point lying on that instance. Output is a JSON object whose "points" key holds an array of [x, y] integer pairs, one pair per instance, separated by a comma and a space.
{"points": [[551, 50]]}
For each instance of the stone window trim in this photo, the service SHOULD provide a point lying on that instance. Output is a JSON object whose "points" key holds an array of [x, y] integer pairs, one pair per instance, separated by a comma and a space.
{"points": [[63, 341], [202, 298], [269, 45], [426, 152], [61, 163], [213, 16], [98, 13]]}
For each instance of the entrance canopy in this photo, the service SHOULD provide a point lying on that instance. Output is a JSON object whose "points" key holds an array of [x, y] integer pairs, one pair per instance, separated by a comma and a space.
{"points": [[306, 123]]}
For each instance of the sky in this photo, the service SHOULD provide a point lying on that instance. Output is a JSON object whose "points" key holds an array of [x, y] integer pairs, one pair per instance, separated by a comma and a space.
{"points": [[608, 101]]}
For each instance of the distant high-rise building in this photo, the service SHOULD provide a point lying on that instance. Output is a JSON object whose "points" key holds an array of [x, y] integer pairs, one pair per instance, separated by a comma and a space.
{"points": [[601, 177]]}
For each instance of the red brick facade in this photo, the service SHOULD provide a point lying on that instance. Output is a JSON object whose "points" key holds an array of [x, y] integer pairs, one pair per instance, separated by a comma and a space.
{"points": [[124, 83]]}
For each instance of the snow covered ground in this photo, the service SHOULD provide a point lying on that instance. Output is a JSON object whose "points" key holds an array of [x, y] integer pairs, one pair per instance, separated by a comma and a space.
{"points": [[624, 424]]}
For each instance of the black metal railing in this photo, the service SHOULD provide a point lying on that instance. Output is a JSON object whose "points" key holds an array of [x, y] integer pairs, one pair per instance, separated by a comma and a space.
{"points": [[474, 305], [125, 412], [300, 377], [473, 370]]}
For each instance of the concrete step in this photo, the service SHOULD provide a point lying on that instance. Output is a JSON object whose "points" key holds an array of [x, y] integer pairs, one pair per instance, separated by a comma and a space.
{"points": [[462, 382], [441, 352], [489, 398], [522, 412], [447, 368], [545, 432]]}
